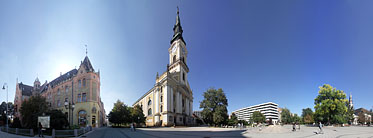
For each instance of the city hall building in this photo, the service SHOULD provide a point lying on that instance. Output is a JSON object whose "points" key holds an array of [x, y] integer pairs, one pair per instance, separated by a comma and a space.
{"points": [[269, 110], [170, 101], [76, 93]]}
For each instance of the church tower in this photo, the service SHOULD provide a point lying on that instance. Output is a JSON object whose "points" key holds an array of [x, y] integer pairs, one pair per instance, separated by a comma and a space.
{"points": [[178, 53], [36, 84], [351, 104]]}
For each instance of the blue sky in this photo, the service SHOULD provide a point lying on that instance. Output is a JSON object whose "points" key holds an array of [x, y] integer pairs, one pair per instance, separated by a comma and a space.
{"points": [[257, 51]]}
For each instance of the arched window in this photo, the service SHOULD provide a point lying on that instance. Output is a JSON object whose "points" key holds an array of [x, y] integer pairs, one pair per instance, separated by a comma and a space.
{"points": [[80, 84], [161, 108], [174, 59], [94, 110], [150, 102], [84, 83], [82, 118], [161, 98], [149, 111]]}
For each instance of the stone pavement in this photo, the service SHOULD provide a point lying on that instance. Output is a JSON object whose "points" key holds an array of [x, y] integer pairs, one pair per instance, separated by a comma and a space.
{"points": [[310, 132]]}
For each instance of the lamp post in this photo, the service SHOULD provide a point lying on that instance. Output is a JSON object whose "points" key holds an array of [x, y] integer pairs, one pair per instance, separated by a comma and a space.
{"points": [[6, 105], [69, 106]]}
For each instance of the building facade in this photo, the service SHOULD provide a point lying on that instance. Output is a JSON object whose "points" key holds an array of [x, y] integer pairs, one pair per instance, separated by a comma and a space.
{"points": [[270, 110], [170, 101], [78, 87]]}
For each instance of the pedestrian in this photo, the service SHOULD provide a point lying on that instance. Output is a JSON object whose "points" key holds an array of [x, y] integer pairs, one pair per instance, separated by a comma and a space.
{"points": [[134, 126], [320, 127], [294, 126], [131, 127], [41, 130]]}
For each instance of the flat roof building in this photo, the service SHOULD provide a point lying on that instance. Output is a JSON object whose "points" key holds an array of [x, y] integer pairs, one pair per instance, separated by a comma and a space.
{"points": [[269, 110]]}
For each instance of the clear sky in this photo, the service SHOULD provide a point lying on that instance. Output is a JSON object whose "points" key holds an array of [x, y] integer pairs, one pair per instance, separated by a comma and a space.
{"points": [[257, 51]]}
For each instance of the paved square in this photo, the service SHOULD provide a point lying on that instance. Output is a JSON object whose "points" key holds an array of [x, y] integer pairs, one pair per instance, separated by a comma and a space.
{"points": [[206, 132]]}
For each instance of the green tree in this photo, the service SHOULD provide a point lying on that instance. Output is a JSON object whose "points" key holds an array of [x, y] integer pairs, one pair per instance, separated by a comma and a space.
{"points": [[295, 118], [3, 111], [137, 114], [258, 117], [32, 108], [233, 120], [350, 115], [307, 116], [120, 114], [286, 116], [330, 105], [16, 123], [214, 107], [58, 120], [243, 122]]}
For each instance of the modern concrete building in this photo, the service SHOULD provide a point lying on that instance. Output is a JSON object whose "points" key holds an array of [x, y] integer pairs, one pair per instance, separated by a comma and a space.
{"points": [[76, 93], [170, 101], [270, 110]]}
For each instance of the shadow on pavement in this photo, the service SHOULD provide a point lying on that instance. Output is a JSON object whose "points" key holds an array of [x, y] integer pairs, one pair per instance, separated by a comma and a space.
{"points": [[190, 134]]}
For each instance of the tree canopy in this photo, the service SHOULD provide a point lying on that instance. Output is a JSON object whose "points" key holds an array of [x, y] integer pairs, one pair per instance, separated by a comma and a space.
{"points": [[233, 120], [286, 116], [214, 107], [36, 106], [122, 114], [307, 116], [331, 105], [32, 108], [258, 117]]}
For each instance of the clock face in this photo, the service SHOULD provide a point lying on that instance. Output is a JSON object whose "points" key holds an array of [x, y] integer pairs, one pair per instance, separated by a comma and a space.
{"points": [[174, 49]]}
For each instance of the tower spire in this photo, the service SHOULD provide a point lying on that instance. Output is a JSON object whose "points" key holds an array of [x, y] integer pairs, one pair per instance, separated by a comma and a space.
{"points": [[178, 30], [86, 51]]}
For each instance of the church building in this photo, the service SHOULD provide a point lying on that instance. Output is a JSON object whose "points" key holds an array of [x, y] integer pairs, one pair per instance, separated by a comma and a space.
{"points": [[170, 101]]}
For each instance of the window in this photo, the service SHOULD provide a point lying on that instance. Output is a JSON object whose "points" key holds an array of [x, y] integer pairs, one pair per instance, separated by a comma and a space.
{"points": [[161, 98], [183, 102], [150, 102], [58, 103], [66, 99], [161, 89], [58, 91], [84, 83], [80, 84], [82, 118], [79, 98], [183, 76], [174, 59], [150, 111], [66, 89], [84, 97], [161, 108]]}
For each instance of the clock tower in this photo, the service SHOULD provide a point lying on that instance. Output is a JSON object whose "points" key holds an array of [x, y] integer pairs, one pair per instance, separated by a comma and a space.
{"points": [[178, 54]]}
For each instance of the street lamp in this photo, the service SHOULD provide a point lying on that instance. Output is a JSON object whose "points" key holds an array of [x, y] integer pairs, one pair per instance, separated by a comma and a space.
{"points": [[69, 106], [6, 105]]}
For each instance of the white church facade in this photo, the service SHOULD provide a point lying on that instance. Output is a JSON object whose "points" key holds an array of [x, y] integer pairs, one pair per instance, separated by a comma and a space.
{"points": [[170, 101]]}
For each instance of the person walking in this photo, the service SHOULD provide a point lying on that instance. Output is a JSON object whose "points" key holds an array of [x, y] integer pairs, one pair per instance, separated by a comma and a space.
{"points": [[294, 126], [131, 127], [134, 126], [41, 130], [320, 127]]}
